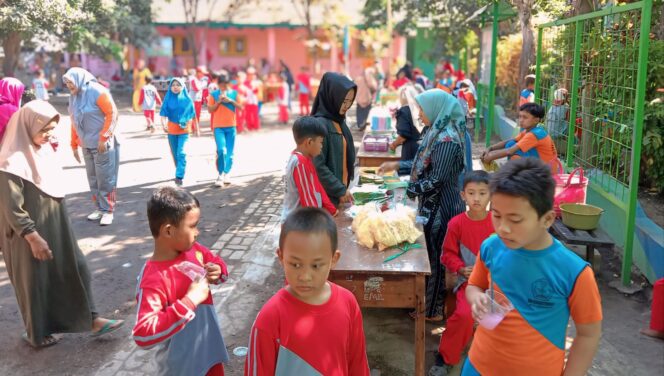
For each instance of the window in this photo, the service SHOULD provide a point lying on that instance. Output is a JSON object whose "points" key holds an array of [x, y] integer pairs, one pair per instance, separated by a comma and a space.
{"points": [[232, 46], [181, 45]]}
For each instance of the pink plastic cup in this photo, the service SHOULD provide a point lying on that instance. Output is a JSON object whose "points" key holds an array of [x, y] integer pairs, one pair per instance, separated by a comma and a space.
{"points": [[499, 308]]}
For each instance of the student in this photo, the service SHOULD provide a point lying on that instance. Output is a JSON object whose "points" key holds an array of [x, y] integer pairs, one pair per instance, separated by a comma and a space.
{"points": [[557, 119], [252, 93], [311, 326], [302, 185], [222, 104], [303, 82], [11, 91], [528, 94], [198, 85], [465, 234], [149, 100], [178, 109], [532, 141], [545, 282], [175, 310], [445, 82], [40, 85], [283, 99]]}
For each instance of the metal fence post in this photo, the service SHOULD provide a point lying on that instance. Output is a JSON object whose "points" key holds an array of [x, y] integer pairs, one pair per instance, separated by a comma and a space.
{"points": [[575, 92], [538, 66], [492, 77]]}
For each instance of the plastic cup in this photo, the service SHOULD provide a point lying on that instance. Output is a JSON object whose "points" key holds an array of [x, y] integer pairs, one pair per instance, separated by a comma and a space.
{"points": [[499, 308]]}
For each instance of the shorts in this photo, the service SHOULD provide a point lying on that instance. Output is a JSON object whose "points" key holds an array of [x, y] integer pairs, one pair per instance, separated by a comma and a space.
{"points": [[149, 114], [198, 106]]}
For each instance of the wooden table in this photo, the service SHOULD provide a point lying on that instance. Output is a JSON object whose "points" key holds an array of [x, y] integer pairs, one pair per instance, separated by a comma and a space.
{"points": [[591, 239], [396, 284], [374, 158]]}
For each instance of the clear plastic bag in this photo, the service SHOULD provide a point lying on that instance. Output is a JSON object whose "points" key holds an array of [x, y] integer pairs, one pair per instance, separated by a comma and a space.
{"points": [[191, 270]]}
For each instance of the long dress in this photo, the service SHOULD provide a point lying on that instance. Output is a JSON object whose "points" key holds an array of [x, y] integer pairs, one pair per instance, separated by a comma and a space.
{"points": [[54, 296]]}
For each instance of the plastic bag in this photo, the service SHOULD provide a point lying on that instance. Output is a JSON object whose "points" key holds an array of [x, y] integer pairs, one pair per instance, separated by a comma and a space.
{"points": [[191, 270]]}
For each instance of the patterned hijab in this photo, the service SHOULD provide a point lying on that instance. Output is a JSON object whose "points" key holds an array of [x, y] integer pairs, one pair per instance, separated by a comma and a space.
{"points": [[178, 108], [448, 122], [19, 156], [11, 91]]}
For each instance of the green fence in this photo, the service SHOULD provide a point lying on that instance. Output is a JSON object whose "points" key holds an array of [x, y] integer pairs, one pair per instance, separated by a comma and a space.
{"points": [[591, 72]]}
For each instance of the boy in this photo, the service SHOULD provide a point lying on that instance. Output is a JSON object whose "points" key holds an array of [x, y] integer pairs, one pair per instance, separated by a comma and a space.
{"points": [[302, 186], [283, 99], [528, 94], [465, 234], [222, 104], [149, 100], [198, 85], [311, 326], [532, 141], [175, 309], [303, 82], [40, 85], [546, 283]]}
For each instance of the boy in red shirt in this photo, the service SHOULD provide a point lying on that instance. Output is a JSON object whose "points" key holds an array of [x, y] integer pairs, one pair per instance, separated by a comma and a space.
{"points": [[311, 326], [465, 234], [175, 309], [303, 82]]}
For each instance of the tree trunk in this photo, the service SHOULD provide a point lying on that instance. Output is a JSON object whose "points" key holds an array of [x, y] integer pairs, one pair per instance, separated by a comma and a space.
{"points": [[528, 45], [12, 47]]}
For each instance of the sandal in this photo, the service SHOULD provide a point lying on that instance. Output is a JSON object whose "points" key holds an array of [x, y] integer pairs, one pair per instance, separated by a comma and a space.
{"points": [[413, 315], [109, 327], [48, 341]]}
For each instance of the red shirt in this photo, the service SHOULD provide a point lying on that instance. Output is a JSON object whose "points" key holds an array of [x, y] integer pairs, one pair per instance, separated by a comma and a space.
{"points": [[327, 338], [464, 235]]}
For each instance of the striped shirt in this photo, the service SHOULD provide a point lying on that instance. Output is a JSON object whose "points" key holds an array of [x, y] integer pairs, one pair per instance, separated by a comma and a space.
{"points": [[302, 186]]}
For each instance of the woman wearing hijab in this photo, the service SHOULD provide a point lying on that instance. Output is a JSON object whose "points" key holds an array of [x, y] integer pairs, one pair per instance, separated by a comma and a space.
{"points": [[94, 118], [434, 182], [11, 91], [178, 108], [336, 161], [44, 263]]}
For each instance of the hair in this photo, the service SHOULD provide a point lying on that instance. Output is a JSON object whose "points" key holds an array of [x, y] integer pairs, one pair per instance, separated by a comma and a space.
{"points": [[529, 178], [308, 127], [148, 79], [169, 205], [310, 220], [39, 72], [476, 176], [534, 109], [463, 85], [28, 96], [530, 80], [222, 78]]}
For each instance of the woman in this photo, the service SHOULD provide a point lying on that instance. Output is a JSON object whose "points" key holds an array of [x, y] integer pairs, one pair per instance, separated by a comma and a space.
{"points": [[94, 117], [178, 109], [407, 133], [11, 91], [366, 92], [336, 161], [434, 182], [44, 263]]}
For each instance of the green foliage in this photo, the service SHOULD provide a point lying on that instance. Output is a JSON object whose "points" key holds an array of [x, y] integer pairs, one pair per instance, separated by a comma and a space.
{"points": [[652, 156], [35, 17]]}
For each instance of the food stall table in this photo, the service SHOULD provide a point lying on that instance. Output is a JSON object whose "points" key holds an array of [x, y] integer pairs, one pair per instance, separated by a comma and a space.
{"points": [[398, 283]]}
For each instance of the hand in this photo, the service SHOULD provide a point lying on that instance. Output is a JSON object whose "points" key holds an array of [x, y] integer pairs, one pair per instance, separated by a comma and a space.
{"points": [[480, 306], [386, 167], [198, 291], [77, 156], [485, 157], [101, 147], [213, 272], [336, 213], [393, 146], [225, 99], [346, 198], [39, 247], [465, 271]]}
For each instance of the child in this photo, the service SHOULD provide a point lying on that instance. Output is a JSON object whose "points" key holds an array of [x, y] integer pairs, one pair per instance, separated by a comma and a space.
{"points": [[40, 85], [222, 104], [198, 86], [544, 281], [175, 308], [528, 94], [178, 109], [252, 92], [302, 185], [465, 234], [303, 82], [284, 94], [446, 83], [311, 326], [532, 141], [148, 101], [557, 122], [238, 85]]}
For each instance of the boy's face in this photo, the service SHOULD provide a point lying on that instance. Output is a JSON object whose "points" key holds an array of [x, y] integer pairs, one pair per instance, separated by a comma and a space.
{"points": [[517, 224], [527, 120], [312, 146], [307, 259], [476, 196], [183, 236]]}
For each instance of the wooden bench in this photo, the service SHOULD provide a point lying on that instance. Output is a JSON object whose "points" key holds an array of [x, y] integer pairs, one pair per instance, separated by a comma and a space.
{"points": [[594, 239]]}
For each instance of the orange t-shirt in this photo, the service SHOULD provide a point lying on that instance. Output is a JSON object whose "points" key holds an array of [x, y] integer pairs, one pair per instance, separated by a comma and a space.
{"points": [[538, 139], [174, 128], [223, 117]]}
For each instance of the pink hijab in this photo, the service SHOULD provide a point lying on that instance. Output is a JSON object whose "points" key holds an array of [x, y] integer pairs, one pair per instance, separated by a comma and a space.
{"points": [[11, 91]]}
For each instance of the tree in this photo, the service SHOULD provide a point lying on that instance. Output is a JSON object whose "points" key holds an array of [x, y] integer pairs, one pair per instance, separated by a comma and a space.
{"points": [[527, 60]]}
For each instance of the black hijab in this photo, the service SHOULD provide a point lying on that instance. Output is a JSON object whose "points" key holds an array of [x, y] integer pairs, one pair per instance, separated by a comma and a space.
{"points": [[331, 94]]}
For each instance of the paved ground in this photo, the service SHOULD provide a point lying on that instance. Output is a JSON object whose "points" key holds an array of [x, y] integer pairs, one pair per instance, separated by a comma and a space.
{"points": [[241, 223]]}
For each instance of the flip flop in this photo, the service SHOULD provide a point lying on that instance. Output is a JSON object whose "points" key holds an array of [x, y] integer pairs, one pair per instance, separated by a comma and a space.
{"points": [[109, 327], [45, 343]]}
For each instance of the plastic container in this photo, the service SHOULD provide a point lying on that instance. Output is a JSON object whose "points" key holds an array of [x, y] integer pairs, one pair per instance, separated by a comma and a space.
{"points": [[499, 307], [581, 216], [376, 143]]}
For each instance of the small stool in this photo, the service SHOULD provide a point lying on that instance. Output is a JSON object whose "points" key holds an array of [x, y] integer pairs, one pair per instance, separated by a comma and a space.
{"points": [[591, 239]]}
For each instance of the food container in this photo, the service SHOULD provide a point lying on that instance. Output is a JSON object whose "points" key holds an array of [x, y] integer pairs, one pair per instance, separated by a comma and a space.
{"points": [[581, 216], [376, 143]]}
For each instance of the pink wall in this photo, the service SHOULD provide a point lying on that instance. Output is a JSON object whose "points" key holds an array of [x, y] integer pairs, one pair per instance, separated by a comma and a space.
{"points": [[288, 47]]}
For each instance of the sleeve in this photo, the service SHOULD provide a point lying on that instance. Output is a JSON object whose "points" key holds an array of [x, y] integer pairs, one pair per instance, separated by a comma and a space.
{"points": [[158, 98], [585, 301], [107, 106], [157, 321], [333, 186], [451, 256], [141, 98], [527, 142], [210, 100], [208, 256], [405, 167], [480, 275], [194, 85], [305, 190], [262, 355], [357, 353], [11, 189], [75, 141], [442, 169], [327, 203]]}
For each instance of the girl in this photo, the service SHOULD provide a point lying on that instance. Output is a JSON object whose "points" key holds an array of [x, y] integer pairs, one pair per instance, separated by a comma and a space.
{"points": [[178, 110], [284, 94]]}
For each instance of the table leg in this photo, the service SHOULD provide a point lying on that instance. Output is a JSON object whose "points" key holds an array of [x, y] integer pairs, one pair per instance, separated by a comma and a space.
{"points": [[420, 294], [590, 255]]}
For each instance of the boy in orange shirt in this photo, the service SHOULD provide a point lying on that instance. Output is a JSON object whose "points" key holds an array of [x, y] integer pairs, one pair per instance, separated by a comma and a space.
{"points": [[222, 104], [544, 281]]}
